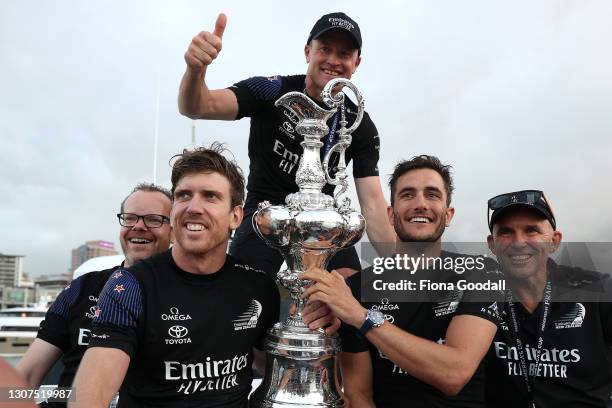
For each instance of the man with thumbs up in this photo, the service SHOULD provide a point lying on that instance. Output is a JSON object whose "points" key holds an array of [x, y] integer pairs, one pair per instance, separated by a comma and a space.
{"points": [[332, 50]]}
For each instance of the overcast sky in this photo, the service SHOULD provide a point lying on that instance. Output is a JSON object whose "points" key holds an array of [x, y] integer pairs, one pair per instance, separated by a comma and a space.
{"points": [[514, 95]]}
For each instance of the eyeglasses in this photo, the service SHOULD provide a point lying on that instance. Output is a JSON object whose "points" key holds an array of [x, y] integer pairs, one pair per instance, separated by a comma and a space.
{"points": [[150, 220], [534, 198]]}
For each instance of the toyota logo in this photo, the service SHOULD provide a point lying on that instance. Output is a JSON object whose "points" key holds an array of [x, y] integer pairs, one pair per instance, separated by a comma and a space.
{"points": [[288, 127], [178, 332], [389, 318]]}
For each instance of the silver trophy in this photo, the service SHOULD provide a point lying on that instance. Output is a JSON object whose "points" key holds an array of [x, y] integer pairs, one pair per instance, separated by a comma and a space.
{"points": [[302, 367]]}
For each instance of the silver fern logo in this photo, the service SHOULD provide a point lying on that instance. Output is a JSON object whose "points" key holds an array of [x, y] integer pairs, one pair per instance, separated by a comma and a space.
{"points": [[248, 319], [573, 318], [448, 304]]}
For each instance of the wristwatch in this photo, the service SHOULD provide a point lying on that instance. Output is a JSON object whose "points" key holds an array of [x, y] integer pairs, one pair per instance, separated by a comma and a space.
{"points": [[374, 318]]}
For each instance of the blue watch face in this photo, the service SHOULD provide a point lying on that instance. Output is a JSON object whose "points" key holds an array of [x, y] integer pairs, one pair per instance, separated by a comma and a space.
{"points": [[376, 316]]}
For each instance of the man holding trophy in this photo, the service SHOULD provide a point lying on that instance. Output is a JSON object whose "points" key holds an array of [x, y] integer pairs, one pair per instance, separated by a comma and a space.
{"points": [[333, 50], [428, 352]]}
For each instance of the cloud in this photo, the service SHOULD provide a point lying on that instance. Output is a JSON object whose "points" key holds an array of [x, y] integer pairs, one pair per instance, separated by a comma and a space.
{"points": [[513, 95]]}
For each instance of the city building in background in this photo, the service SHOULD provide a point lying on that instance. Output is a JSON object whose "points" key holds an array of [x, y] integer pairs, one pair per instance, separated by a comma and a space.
{"points": [[11, 270], [91, 249], [49, 286]]}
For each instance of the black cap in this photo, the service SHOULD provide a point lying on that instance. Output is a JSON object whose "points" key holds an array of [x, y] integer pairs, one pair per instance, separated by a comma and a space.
{"points": [[533, 199], [336, 21]]}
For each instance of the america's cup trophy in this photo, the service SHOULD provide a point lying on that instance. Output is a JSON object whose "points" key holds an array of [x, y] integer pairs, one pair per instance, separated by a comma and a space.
{"points": [[302, 365]]}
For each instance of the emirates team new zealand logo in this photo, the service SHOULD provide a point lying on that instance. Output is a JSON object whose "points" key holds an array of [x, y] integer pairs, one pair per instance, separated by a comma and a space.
{"points": [[248, 319], [448, 304], [573, 318]]}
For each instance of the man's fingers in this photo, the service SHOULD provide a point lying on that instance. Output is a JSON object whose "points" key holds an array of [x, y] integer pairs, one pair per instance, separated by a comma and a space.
{"points": [[332, 328], [193, 61], [220, 25], [321, 323], [317, 287], [204, 53], [314, 274], [315, 313], [209, 43]]}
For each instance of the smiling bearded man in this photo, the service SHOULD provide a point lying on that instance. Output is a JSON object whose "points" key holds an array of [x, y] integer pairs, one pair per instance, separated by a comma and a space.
{"points": [[418, 353]]}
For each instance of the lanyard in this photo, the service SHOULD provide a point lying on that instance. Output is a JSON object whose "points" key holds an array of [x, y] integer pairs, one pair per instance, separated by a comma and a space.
{"points": [[519, 342], [331, 136]]}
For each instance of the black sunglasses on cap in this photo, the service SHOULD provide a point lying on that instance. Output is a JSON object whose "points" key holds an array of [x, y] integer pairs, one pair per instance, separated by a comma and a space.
{"points": [[531, 198]]}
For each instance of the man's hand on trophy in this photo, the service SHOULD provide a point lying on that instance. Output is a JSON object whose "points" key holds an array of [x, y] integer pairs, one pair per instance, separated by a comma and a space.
{"points": [[331, 289], [318, 316], [205, 47]]}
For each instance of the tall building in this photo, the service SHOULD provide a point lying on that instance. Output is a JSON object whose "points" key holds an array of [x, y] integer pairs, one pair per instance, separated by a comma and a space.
{"points": [[11, 270], [91, 249]]}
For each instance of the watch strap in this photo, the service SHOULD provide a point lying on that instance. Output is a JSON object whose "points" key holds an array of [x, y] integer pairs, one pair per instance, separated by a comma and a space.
{"points": [[366, 326]]}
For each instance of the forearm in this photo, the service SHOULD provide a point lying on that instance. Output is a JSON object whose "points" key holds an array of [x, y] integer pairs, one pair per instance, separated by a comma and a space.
{"points": [[379, 229], [99, 377], [90, 393], [37, 362], [442, 366], [192, 94], [374, 209], [359, 400], [30, 374], [357, 375]]}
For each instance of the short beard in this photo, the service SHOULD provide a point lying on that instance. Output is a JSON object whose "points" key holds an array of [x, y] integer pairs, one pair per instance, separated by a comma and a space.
{"points": [[406, 237]]}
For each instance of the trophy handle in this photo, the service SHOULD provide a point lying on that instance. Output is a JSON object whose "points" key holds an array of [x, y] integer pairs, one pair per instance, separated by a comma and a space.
{"points": [[337, 101], [341, 176]]}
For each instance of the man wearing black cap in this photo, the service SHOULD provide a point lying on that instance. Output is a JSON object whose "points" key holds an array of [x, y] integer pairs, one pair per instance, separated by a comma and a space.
{"points": [[552, 347], [333, 50]]}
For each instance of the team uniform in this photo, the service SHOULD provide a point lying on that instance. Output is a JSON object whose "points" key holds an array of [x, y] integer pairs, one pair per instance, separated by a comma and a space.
{"points": [[190, 337], [575, 362], [274, 153], [392, 386], [67, 324]]}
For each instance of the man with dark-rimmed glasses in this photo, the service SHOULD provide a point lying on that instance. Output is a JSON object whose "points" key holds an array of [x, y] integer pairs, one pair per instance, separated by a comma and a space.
{"points": [[145, 231], [552, 347]]}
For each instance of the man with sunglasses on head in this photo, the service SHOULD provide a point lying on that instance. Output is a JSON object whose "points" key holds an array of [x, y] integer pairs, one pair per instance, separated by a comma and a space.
{"points": [[552, 348], [332, 50], [410, 349], [144, 221]]}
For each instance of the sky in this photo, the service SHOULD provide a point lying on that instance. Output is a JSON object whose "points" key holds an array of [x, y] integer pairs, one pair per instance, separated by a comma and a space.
{"points": [[514, 95]]}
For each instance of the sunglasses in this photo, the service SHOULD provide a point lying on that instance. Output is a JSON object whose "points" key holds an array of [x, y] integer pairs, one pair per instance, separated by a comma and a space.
{"points": [[534, 198]]}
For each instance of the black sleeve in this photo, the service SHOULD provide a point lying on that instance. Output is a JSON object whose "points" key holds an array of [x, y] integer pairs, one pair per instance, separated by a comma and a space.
{"points": [[352, 340], [120, 310], [54, 328], [365, 149], [485, 303], [253, 92]]}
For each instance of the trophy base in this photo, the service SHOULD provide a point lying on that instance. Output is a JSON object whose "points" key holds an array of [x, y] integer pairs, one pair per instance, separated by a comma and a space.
{"points": [[302, 369]]}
